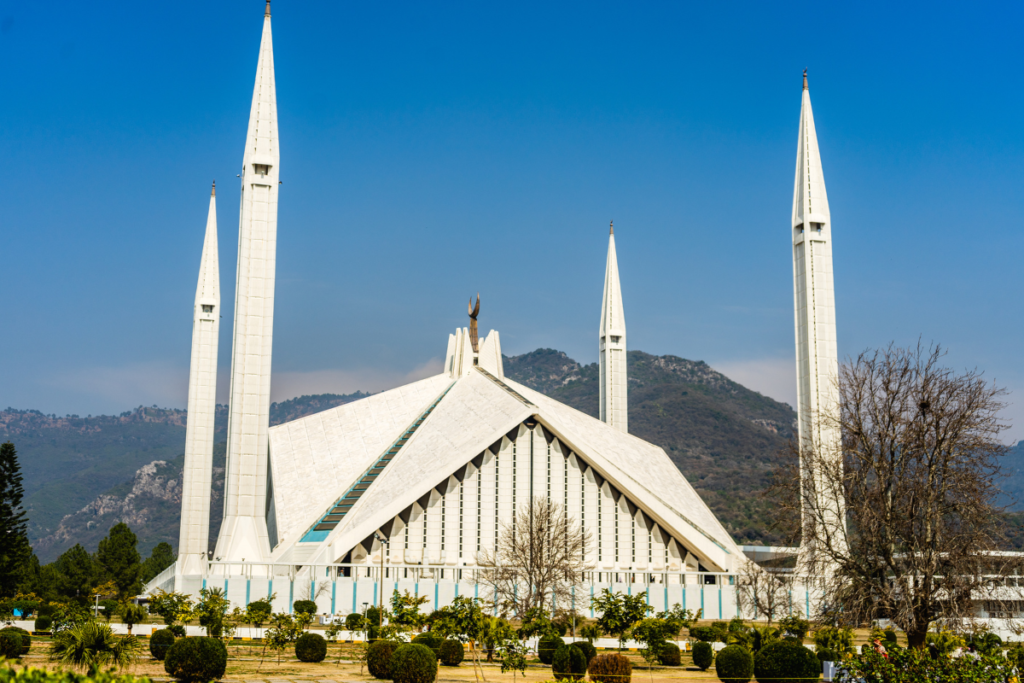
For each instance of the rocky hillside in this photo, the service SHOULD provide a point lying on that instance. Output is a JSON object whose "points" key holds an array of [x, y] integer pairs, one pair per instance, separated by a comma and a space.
{"points": [[83, 474]]}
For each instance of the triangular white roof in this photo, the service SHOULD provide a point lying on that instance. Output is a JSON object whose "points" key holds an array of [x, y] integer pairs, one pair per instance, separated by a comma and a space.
{"points": [[317, 459]]}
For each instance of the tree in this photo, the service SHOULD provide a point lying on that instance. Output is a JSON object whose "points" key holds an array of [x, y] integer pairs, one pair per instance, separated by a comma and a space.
{"points": [[513, 656], [464, 621], [764, 593], [258, 612], [131, 614], [619, 612], [537, 559], [212, 609], [15, 550], [120, 560], [75, 574], [903, 521], [169, 606], [651, 634], [677, 618], [160, 559], [405, 609]]}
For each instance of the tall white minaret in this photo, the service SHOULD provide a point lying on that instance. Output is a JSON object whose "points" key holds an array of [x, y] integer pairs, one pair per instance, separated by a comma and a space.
{"points": [[243, 535], [194, 537], [614, 409], [817, 362]]}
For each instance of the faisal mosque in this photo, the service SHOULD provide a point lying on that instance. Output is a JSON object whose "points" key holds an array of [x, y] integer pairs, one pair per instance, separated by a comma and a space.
{"points": [[408, 488]]}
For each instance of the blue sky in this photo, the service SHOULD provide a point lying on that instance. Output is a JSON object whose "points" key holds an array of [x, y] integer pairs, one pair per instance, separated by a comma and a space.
{"points": [[431, 151]]}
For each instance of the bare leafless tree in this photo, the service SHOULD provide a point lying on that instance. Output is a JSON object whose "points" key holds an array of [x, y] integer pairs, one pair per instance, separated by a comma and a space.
{"points": [[915, 489], [764, 593], [538, 558]]}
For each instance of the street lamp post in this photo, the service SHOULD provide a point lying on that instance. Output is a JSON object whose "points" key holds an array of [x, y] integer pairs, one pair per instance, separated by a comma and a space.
{"points": [[384, 543]]}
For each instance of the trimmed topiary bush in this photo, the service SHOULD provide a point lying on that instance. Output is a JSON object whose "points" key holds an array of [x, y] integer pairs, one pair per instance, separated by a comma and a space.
{"points": [[569, 663], [786, 661], [354, 622], [431, 640], [196, 659], [587, 648], [311, 647], [43, 623], [826, 655], [378, 657], [546, 648], [610, 668], [413, 663], [304, 607], [160, 642], [734, 664], [703, 655], [669, 655], [704, 634], [10, 644], [451, 653], [26, 638]]}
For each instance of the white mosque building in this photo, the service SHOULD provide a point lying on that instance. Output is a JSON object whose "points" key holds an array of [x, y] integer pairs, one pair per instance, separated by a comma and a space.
{"points": [[406, 488]]}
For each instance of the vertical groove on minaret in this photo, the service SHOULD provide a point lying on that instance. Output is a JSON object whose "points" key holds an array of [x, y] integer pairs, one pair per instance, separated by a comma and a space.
{"points": [[244, 533], [614, 409], [194, 534]]}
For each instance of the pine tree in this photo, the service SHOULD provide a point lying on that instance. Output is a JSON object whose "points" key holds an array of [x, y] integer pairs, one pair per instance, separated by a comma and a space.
{"points": [[120, 560], [15, 549], [76, 574], [162, 557]]}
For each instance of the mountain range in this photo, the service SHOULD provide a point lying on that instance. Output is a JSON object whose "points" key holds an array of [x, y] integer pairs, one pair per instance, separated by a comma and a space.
{"points": [[83, 475]]}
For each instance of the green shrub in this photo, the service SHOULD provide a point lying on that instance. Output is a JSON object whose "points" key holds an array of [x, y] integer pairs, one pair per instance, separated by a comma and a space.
{"points": [[703, 655], [839, 640], [569, 663], [196, 660], [431, 640], [795, 627], [826, 655], [311, 647], [546, 648], [587, 648], [378, 657], [10, 644], [734, 664], [354, 622], [786, 661], [26, 638], [43, 623], [704, 634], [610, 668], [413, 663], [669, 655], [451, 653], [304, 607], [160, 642]]}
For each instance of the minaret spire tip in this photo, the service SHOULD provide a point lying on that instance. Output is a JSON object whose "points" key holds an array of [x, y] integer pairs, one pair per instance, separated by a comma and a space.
{"points": [[267, 13], [805, 70], [213, 190], [611, 228]]}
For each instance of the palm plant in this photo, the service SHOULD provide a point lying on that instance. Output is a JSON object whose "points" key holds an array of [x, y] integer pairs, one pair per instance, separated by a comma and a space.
{"points": [[92, 646]]}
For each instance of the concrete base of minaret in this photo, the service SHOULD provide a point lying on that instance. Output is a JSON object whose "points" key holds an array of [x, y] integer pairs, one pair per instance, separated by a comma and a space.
{"points": [[244, 539]]}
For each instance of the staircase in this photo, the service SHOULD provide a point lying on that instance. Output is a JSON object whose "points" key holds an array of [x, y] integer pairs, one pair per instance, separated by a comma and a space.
{"points": [[341, 508]]}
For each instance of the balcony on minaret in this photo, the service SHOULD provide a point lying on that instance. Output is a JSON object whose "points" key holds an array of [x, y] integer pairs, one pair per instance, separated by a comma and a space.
{"points": [[261, 174], [207, 311]]}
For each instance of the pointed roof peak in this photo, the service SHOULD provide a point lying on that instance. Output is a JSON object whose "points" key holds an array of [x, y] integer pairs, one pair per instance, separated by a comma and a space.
{"points": [[611, 228], [805, 70], [267, 13], [213, 190]]}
